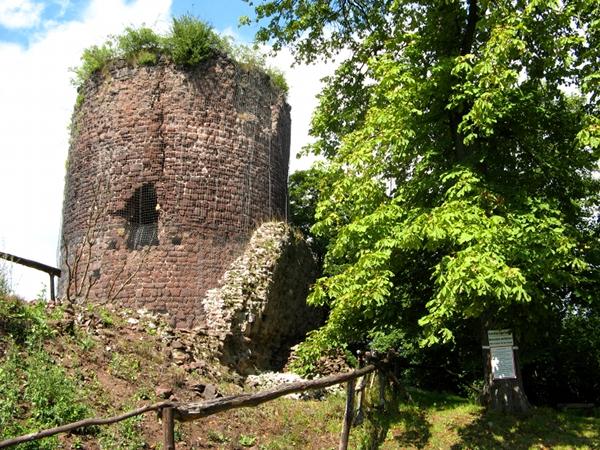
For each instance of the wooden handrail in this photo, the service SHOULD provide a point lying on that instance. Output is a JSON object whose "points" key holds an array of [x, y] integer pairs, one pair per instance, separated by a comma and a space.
{"points": [[83, 423], [52, 271], [193, 411], [30, 263]]}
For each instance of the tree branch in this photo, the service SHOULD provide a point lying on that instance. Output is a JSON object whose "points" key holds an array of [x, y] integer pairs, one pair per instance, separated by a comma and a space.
{"points": [[469, 34]]}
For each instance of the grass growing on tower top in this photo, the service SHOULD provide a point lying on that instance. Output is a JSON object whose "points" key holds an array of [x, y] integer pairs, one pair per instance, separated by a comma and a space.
{"points": [[188, 42]]}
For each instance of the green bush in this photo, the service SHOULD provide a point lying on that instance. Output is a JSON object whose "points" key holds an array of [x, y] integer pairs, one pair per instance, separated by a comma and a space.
{"points": [[21, 322], [191, 41], [140, 46], [35, 392], [94, 59]]}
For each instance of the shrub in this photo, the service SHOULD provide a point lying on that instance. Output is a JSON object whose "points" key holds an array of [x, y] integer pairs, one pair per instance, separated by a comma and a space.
{"points": [[94, 59], [191, 41], [21, 322], [140, 46]]}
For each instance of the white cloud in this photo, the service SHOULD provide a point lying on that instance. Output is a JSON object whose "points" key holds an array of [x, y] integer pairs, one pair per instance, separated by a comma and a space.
{"points": [[232, 33], [305, 83], [37, 100], [16, 14]]}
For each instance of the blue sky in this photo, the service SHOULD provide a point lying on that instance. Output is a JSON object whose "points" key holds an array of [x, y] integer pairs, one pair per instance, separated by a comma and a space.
{"points": [[22, 21], [39, 42]]}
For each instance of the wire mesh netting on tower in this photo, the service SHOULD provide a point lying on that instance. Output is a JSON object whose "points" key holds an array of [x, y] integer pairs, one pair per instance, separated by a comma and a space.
{"points": [[170, 171]]}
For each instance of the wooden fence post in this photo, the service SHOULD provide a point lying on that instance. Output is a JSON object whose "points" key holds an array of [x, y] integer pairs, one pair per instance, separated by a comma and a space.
{"points": [[348, 415], [382, 384], [52, 289], [168, 421]]}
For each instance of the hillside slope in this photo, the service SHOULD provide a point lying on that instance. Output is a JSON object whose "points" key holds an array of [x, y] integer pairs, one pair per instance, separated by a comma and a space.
{"points": [[59, 366]]}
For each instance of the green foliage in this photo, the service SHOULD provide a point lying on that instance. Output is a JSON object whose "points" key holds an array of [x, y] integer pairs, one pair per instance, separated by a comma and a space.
{"points": [[247, 441], [126, 435], [106, 317], [36, 393], [460, 181], [124, 367], [564, 368], [93, 59], [140, 46], [5, 283], [52, 395], [304, 190], [278, 79], [189, 42], [23, 323]]}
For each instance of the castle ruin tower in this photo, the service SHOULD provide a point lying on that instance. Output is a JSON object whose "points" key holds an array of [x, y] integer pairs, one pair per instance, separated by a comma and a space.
{"points": [[170, 170]]}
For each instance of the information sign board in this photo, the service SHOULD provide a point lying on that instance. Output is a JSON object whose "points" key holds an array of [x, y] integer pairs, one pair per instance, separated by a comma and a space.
{"points": [[500, 338], [503, 363]]}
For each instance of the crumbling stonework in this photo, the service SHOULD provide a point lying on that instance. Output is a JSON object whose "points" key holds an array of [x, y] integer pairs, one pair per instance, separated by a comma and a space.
{"points": [[170, 171], [259, 310]]}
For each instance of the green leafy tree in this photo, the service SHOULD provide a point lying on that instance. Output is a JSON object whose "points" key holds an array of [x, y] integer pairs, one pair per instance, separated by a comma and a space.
{"points": [[461, 138], [304, 189]]}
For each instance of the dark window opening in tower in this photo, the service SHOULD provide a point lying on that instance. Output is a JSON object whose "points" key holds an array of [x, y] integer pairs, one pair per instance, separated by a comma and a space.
{"points": [[141, 213]]}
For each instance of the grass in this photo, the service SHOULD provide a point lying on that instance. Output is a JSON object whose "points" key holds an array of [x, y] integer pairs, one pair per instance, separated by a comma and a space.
{"points": [[36, 392], [445, 421]]}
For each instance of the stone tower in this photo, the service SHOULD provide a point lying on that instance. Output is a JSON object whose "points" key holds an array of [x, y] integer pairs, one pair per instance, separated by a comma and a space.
{"points": [[170, 170]]}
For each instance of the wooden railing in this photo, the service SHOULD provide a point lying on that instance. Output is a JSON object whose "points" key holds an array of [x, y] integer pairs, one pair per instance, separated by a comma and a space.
{"points": [[172, 411], [52, 271]]}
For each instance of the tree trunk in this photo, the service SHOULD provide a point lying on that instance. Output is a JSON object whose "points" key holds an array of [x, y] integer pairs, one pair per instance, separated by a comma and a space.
{"points": [[502, 395]]}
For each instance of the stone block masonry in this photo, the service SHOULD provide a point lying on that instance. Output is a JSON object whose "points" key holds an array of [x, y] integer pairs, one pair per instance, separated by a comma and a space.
{"points": [[170, 171]]}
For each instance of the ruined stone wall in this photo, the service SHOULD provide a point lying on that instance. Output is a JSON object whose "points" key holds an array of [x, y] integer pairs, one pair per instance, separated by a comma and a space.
{"points": [[170, 171], [260, 311]]}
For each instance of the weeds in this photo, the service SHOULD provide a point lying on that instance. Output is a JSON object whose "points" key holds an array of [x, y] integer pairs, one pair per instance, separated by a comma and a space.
{"points": [[126, 435], [93, 59], [140, 46], [85, 341], [217, 436], [247, 441], [124, 367], [25, 324], [36, 393], [189, 42]]}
